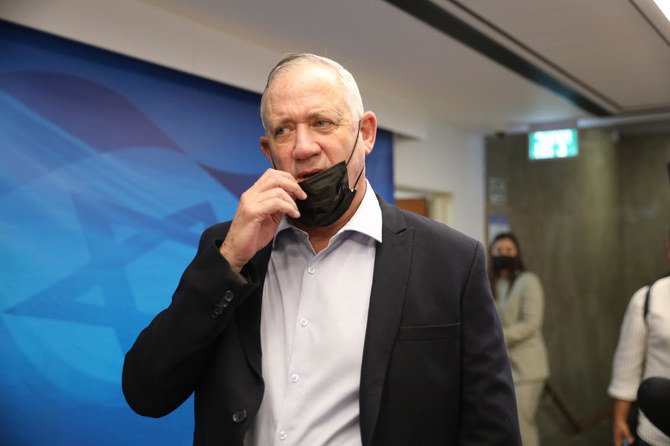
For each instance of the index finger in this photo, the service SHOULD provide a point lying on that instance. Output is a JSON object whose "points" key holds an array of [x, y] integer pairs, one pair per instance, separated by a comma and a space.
{"points": [[284, 180]]}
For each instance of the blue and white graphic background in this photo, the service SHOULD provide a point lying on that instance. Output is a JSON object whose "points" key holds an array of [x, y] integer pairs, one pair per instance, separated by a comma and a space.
{"points": [[109, 170]]}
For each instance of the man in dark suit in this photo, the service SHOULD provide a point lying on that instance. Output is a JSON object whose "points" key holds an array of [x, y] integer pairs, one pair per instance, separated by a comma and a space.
{"points": [[321, 314]]}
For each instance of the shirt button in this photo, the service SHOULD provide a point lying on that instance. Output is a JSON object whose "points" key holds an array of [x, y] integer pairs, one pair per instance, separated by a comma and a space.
{"points": [[282, 435], [304, 322], [295, 378], [311, 270]]}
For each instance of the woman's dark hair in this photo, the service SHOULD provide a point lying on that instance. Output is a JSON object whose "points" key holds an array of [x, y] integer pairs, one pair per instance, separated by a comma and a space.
{"points": [[494, 275]]}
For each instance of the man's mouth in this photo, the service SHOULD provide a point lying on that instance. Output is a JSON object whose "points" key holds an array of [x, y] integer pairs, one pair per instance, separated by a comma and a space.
{"points": [[304, 175]]}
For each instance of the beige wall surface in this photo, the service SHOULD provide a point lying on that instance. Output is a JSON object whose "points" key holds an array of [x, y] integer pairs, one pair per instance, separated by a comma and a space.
{"points": [[593, 228]]}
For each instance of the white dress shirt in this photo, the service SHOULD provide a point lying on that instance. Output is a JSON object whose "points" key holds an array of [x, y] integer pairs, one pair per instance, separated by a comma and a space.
{"points": [[313, 322], [643, 351]]}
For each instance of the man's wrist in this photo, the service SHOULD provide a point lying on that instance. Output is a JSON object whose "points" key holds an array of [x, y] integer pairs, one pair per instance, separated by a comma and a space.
{"points": [[230, 259]]}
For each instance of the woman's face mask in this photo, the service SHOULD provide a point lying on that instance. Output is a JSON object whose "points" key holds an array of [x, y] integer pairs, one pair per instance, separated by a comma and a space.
{"points": [[504, 262]]}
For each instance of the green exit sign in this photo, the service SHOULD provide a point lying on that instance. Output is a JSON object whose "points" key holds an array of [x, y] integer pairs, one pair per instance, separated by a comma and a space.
{"points": [[551, 144]]}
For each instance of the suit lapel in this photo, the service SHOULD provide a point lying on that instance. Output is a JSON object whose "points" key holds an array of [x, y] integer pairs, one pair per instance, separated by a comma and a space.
{"points": [[389, 286]]}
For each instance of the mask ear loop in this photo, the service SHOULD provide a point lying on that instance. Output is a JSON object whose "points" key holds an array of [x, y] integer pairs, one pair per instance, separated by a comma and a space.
{"points": [[272, 160], [353, 189]]}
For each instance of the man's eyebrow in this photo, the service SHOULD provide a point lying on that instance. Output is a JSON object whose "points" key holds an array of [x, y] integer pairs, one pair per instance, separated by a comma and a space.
{"points": [[333, 114], [328, 113], [278, 123]]}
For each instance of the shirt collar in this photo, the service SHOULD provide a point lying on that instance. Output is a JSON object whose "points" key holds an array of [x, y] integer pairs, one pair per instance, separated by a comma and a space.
{"points": [[367, 219]]}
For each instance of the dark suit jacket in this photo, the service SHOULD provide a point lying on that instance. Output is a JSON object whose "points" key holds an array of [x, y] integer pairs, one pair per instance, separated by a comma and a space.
{"points": [[434, 370]]}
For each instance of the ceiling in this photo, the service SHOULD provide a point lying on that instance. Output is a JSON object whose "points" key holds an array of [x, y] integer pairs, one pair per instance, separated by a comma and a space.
{"points": [[482, 65]]}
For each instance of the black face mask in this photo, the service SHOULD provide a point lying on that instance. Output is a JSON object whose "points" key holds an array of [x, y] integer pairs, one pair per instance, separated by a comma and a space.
{"points": [[504, 262], [328, 194]]}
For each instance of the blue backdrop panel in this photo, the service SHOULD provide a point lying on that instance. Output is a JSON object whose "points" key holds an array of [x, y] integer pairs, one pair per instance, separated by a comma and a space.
{"points": [[109, 170]]}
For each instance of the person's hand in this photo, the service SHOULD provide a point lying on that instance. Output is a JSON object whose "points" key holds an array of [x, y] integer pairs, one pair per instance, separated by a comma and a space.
{"points": [[258, 214], [620, 429]]}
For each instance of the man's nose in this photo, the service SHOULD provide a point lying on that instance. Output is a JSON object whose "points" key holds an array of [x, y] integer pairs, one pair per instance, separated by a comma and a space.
{"points": [[306, 145]]}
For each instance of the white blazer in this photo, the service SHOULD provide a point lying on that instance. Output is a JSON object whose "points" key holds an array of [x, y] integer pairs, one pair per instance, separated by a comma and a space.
{"points": [[521, 311]]}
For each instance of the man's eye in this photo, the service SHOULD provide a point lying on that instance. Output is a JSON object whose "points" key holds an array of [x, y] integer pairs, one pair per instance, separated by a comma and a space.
{"points": [[281, 131], [321, 123]]}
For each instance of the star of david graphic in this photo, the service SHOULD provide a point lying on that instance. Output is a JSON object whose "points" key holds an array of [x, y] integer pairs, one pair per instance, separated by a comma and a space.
{"points": [[106, 267]]}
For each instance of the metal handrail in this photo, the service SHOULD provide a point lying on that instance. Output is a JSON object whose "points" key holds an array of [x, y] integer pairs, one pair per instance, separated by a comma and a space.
{"points": [[577, 426]]}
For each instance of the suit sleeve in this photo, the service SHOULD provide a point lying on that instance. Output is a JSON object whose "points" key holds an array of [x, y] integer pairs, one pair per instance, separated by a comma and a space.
{"points": [[488, 405], [162, 368]]}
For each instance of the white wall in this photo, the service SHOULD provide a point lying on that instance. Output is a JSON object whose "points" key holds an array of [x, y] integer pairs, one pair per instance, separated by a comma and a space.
{"points": [[447, 160], [433, 156]]}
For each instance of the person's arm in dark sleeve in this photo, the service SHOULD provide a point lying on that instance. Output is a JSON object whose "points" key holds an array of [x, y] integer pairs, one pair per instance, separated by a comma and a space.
{"points": [[162, 368], [488, 404]]}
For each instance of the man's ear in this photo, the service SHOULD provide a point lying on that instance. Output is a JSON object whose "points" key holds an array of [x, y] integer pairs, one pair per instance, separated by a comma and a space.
{"points": [[369, 130], [265, 147]]}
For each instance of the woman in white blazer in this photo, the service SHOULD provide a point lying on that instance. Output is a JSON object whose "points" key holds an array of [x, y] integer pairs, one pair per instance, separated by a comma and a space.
{"points": [[520, 305]]}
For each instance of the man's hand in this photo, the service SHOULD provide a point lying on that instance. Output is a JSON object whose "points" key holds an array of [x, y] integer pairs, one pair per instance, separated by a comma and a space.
{"points": [[620, 429], [258, 214]]}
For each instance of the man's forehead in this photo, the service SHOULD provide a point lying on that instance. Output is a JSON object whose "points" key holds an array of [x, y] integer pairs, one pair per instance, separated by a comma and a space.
{"points": [[278, 117], [309, 89], [313, 99]]}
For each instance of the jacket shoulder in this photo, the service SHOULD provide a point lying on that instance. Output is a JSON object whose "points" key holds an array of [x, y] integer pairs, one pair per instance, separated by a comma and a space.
{"points": [[425, 229]]}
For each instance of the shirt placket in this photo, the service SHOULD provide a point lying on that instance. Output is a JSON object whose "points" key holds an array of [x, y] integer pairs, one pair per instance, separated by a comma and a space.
{"points": [[299, 365]]}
